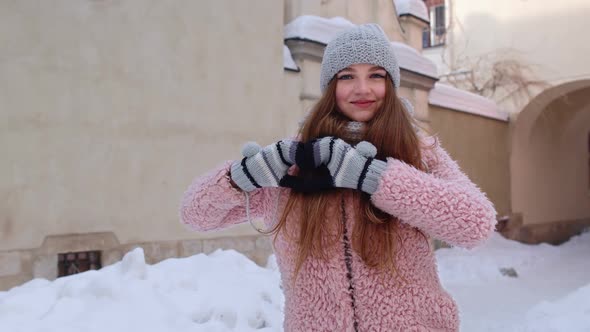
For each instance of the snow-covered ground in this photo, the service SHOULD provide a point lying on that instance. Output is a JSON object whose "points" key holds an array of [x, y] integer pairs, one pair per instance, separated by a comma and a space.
{"points": [[550, 293], [227, 292]]}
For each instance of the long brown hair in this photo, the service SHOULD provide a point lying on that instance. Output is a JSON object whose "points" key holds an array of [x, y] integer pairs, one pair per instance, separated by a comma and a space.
{"points": [[375, 235]]}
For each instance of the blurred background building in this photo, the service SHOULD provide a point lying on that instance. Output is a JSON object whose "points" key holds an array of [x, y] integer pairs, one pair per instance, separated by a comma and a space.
{"points": [[110, 108], [529, 57]]}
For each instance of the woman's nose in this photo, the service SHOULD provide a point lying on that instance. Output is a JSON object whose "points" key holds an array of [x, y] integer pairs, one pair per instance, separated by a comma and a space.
{"points": [[362, 85]]}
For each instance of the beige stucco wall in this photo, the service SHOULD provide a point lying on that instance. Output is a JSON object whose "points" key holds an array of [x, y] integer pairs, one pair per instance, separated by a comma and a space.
{"points": [[480, 146], [525, 26], [548, 164], [552, 162], [545, 34], [109, 109], [292, 106]]}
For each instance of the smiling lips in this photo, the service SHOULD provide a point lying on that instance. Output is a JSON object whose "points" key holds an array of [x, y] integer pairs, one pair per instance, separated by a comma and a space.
{"points": [[362, 103]]}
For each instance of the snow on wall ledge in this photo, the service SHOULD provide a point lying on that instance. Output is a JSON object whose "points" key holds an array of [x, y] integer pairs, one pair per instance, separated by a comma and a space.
{"points": [[450, 97], [315, 28], [322, 30], [411, 60], [415, 8]]}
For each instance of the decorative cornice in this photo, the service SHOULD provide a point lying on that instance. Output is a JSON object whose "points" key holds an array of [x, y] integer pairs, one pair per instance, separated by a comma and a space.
{"points": [[415, 17], [411, 79], [288, 62], [305, 49]]}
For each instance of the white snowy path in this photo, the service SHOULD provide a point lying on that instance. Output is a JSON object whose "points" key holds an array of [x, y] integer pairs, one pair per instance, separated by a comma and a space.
{"points": [[551, 292], [225, 291]]}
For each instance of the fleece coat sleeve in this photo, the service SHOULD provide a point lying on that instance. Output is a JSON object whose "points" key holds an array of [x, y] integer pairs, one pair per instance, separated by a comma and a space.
{"points": [[212, 203], [443, 203]]}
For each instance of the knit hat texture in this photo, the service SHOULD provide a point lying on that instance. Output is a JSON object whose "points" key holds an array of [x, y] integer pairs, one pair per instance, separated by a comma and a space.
{"points": [[366, 43]]}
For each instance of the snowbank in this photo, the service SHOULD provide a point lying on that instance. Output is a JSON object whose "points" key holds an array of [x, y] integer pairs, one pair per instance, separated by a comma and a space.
{"points": [[221, 292], [548, 292]]}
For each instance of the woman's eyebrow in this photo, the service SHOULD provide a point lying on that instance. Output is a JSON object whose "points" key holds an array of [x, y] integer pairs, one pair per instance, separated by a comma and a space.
{"points": [[374, 68]]}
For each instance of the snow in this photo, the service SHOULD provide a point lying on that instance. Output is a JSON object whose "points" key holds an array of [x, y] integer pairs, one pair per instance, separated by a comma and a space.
{"points": [[288, 62], [411, 60], [415, 8], [315, 28], [221, 292], [450, 97], [549, 294], [559, 316], [225, 291], [322, 30]]}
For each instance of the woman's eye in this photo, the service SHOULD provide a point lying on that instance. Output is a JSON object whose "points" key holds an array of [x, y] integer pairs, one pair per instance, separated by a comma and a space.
{"points": [[377, 75], [345, 77]]}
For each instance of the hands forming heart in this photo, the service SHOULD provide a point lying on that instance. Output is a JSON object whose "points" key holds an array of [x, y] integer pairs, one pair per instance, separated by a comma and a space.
{"points": [[323, 164]]}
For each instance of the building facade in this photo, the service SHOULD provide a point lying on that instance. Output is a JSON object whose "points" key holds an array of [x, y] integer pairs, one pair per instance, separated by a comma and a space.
{"points": [[110, 109], [528, 58]]}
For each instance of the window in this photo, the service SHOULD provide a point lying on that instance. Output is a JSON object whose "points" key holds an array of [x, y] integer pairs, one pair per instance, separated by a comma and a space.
{"points": [[77, 262], [435, 34]]}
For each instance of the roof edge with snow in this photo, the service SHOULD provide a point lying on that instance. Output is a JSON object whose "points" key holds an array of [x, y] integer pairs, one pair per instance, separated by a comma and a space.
{"points": [[415, 8], [446, 96], [315, 28]]}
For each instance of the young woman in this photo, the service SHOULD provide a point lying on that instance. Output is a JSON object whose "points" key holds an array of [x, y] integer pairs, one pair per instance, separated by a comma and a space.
{"points": [[354, 216]]}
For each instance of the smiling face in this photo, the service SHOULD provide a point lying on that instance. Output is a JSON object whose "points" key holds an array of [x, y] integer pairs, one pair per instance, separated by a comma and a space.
{"points": [[360, 90]]}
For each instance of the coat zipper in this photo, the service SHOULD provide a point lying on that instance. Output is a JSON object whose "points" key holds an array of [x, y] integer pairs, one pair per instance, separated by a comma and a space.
{"points": [[348, 261]]}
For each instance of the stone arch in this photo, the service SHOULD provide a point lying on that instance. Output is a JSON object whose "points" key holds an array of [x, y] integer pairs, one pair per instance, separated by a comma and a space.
{"points": [[549, 157]]}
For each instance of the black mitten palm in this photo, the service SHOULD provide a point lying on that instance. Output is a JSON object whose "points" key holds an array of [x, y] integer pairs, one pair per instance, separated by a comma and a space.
{"points": [[350, 167]]}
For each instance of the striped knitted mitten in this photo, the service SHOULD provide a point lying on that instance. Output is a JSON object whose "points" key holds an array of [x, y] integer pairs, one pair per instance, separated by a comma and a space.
{"points": [[263, 167], [350, 167]]}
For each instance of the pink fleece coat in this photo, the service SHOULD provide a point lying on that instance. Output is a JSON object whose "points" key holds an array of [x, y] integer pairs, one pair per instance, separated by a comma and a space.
{"points": [[442, 203]]}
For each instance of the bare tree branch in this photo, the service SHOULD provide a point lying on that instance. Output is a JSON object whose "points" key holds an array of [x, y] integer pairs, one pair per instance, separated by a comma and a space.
{"points": [[502, 75]]}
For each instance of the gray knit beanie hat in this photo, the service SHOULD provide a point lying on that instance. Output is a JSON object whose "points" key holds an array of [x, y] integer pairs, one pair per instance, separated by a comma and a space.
{"points": [[366, 43]]}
